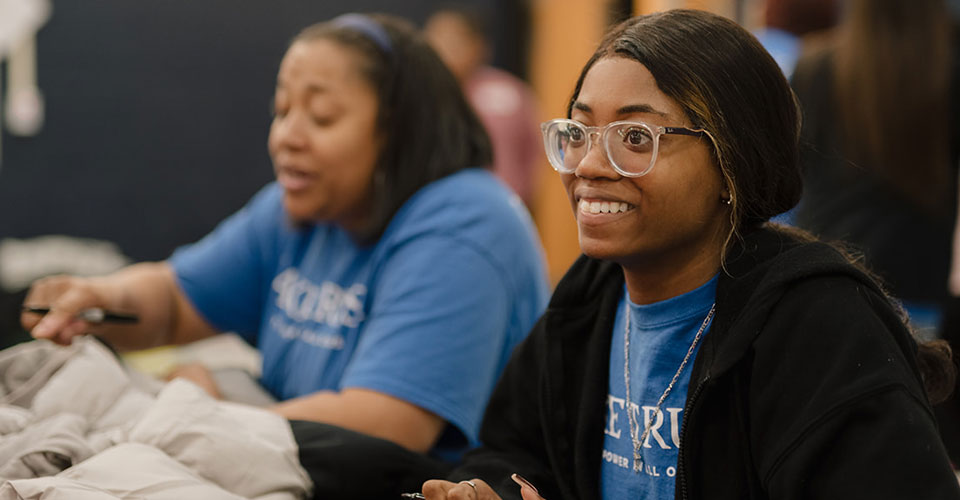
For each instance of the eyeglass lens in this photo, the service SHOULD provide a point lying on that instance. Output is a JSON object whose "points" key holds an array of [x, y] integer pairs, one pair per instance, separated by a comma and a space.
{"points": [[630, 146]]}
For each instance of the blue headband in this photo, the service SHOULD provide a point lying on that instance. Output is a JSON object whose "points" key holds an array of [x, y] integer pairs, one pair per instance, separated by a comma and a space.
{"points": [[373, 30]]}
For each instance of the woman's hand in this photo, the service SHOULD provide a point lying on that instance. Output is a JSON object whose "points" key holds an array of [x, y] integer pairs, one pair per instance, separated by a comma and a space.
{"points": [[527, 490], [148, 290], [66, 296], [475, 489], [199, 375]]}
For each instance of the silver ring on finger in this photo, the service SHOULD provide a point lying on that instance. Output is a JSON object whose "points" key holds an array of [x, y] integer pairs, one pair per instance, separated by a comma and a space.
{"points": [[472, 485]]}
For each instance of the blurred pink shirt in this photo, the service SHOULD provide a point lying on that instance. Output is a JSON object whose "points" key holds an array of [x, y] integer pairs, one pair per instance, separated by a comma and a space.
{"points": [[507, 108]]}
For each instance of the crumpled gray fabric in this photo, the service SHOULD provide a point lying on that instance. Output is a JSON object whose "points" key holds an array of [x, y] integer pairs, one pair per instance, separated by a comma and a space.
{"points": [[129, 471], [53, 488], [92, 383], [69, 392], [26, 368], [87, 408], [45, 448], [13, 419], [246, 450]]}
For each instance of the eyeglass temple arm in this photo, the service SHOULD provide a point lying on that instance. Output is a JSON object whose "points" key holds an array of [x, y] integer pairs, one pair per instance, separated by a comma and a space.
{"points": [[684, 131]]}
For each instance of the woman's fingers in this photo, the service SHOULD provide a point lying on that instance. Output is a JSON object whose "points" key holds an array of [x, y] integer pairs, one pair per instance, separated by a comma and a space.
{"points": [[199, 375], [527, 490], [528, 493], [436, 489], [65, 296]]}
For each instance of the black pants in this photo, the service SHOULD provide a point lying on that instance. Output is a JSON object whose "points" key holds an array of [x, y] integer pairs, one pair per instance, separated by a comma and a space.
{"points": [[345, 464]]}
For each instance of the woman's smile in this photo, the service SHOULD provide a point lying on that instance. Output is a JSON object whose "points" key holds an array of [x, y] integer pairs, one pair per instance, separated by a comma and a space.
{"points": [[597, 211]]}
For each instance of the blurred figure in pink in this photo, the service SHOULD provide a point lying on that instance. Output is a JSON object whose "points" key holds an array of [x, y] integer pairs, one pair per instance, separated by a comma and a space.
{"points": [[505, 103]]}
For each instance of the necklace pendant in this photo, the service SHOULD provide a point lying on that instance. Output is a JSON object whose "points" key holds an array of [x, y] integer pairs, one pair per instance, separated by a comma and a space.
{"points": [[637, 462]]}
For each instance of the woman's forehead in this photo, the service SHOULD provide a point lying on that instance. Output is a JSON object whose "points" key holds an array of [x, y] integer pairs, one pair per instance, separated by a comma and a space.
{"points": [[320, 63], [620, 87]]}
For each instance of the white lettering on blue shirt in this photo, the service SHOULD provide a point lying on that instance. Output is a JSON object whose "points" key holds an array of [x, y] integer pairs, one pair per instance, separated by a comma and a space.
{"points": [[328, 303]]}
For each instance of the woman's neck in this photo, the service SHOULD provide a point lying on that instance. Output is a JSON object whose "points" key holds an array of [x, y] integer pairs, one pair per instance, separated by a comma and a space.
{"points": [[651, 281]]}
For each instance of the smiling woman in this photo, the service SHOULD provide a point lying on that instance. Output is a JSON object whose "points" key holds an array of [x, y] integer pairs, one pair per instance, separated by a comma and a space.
{"points": [[385, 277], [696, 351], [675, 225]]}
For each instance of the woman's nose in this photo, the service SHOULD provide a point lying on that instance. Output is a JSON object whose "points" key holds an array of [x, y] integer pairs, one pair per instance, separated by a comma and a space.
{"points": [[287, 131], [595, 163]]}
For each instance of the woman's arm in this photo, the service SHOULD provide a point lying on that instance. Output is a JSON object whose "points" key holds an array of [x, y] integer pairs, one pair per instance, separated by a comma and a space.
{"points": [[370, 412], [513, 431]]}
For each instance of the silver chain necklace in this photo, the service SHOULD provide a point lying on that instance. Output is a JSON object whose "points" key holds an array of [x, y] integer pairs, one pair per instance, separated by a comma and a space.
{"points": [[634, 426]]}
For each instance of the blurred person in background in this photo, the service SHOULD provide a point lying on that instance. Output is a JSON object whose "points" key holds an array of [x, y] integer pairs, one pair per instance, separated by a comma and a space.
{"points": [[789, 25], [505, 103], [383, 277], [786, 22], [880, 145], [696, 351]]}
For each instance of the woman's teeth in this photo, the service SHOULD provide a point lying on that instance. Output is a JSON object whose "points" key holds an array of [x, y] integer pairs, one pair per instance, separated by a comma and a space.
{"points": [[604, 207]]}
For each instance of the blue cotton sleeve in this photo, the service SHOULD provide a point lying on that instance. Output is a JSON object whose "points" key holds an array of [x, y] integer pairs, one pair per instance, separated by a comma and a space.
{"points": [[437, 331], [223, 274]]}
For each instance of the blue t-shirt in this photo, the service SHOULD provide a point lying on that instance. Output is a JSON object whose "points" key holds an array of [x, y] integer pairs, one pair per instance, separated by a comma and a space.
{"points": [[660, 335], [429, 313]]}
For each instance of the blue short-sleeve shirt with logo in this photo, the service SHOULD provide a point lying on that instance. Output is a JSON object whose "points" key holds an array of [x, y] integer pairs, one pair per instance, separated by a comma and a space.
{"points": [[429, 313]]}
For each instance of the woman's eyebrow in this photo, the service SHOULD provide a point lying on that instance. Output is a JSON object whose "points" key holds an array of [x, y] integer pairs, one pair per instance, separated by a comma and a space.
{"points": [[624, 110], [639, 108], [579, 106]]}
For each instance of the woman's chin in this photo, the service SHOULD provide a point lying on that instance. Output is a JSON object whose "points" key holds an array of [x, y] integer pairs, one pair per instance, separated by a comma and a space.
{"points": [[299, 211], [599, 249]]}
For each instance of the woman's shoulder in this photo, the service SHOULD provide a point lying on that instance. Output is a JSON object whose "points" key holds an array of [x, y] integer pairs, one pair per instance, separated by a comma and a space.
{"points": [[468, 185], [813, 279], [473, 214], [812, 300], [470, 203], [774, 261], [266, 202]]}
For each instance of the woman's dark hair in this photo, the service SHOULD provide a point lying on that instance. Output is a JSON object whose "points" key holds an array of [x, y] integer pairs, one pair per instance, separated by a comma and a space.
{"points": [[728, 85], [892, 86], [430, 129]]}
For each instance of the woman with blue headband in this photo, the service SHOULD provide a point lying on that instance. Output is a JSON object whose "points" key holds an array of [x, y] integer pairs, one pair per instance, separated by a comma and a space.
{"points": [[384, 278]]}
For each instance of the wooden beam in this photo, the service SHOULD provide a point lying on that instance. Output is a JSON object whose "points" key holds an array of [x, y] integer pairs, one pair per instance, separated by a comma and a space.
{"points": [[565, 34]]}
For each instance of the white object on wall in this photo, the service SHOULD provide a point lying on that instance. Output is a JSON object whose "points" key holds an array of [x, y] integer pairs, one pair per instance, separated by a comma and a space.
{"points": [[24, 102], [22, 108], [20, 19]]}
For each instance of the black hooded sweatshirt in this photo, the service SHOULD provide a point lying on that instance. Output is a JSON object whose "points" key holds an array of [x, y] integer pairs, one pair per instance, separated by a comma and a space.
{"points": [[805, 387]]}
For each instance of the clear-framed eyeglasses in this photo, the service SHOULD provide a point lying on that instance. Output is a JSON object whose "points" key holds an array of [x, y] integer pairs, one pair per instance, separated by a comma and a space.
{"points": [[631, 146]]}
